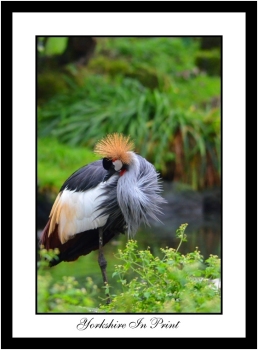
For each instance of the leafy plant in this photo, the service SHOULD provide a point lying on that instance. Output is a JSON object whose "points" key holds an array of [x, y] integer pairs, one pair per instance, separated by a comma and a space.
{"points": [[64, 295], [175, 284], [166, 54], [52, 45], [151, 89], [149, 116], [172, 283]]}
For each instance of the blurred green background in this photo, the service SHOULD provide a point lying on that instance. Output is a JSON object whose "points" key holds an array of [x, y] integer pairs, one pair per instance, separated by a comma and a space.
{"points": [[165, 92]]}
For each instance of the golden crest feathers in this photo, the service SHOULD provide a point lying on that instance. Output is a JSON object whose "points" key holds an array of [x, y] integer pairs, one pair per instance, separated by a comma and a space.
{"points": [[115, 146]]}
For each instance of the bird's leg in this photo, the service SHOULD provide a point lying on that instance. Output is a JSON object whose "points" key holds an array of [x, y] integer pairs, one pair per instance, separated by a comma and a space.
{"points": [[102, 262]]}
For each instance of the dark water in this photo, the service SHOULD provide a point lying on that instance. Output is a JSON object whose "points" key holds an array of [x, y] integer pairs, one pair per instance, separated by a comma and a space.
{"points": [[200, 210], [206, 235]]}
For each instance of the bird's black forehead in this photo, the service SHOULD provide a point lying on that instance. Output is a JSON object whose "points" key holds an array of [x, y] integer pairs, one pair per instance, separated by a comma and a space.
{"points": [[107, 163]]}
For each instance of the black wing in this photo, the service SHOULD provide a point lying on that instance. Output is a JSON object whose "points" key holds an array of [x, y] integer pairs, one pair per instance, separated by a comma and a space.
{"points": [[89, 176]]}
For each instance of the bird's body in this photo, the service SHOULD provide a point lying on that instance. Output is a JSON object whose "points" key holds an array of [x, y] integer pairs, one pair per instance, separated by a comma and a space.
{"points": [[103, 199], [75, 218]]}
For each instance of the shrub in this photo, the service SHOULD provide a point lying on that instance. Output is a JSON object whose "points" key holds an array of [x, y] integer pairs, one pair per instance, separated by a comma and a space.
{"points": [[63, 296], [173, 284]]}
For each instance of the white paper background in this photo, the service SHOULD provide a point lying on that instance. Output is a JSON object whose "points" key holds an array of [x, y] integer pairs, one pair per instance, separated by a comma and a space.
{"points": [[25, 27]]}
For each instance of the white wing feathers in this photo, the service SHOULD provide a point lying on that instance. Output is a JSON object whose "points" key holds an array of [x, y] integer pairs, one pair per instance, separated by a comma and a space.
{"points": [[75, 212]]}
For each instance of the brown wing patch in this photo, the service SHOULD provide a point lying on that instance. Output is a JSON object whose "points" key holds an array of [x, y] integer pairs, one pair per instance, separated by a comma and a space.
{"points": [[62, 215], [51, 242], [67, 227], [115, 146], [54, 214]]}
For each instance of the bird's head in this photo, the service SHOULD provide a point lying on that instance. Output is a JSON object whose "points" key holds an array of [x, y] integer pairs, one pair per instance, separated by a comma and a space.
{"points": [[116, 150], [137, 190]]}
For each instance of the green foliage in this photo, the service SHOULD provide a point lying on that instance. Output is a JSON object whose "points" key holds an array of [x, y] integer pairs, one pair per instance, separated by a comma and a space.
{"points": [[56, 162], [210, 61], [143, 73], [166, 54], [174, 284], [50, 84], [55, 45], [45, 256], [171, 283], [150, 89], [180, 233], [151, 117], [65, 295]]}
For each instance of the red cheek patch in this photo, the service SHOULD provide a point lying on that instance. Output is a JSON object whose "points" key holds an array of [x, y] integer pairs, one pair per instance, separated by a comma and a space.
{"points": [[122, 172]]}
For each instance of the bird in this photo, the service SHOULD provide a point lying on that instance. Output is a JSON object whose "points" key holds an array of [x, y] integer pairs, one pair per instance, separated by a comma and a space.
{"points": [[110, 196]]}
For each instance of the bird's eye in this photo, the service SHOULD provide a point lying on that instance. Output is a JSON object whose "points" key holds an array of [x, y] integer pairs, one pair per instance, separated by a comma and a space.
{"points": [[107, 163], [117, 165]]}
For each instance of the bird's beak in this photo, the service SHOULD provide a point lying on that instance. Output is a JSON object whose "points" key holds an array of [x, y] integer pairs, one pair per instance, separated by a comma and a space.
{"points": [[109, 173]]}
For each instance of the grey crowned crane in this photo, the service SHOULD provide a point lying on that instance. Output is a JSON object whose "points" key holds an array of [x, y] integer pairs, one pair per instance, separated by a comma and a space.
{"points": [[101, 200]]}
